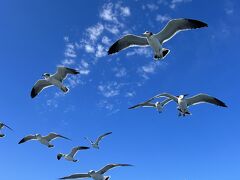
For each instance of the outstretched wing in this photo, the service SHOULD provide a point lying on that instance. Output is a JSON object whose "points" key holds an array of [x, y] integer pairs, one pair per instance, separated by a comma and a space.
{"points": [[172, 97], [110, 166], [204, 98], [102, 136], [143, 104], [76, 149], [176, 25], [62, 73], [28, 138], [127, 41], [76, 176], [166, 101], [52, 136], [39, 86]]}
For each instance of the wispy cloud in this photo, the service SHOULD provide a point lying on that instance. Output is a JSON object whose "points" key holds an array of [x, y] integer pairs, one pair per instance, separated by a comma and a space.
{"points": [[162, 18], [174, 3]]}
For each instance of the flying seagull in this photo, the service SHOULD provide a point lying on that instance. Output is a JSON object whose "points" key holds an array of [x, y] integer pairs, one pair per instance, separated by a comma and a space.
{"points": [[156, 41], [96, 143], [184, 103], [96, 175], [2, 125], [53, 80], [70, 156], [45, 140], [157, 105]]}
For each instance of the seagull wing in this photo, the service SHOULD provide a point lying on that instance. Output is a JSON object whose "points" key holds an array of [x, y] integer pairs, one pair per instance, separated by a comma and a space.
{"points": [[39, 86], [52, 136], [102, 136], [172, 97], [110, 166], [204, 98], [7, 127], [89, 140], [166, 101], [76, 149], [127, 41], [62, 73], [176, 25], [76, 176], [143, 104], [28, 138]]}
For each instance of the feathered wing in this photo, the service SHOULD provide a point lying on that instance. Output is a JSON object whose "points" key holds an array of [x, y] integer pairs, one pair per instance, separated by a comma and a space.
{"points": [[172, 97], [76, 149], [39, 86], [76, 176], [176, 25], [52, 136], [143, 104], [110, 166], [166, 101], [204, 98], [62, 73], [28, 138], [127, 41], [102, 136]]}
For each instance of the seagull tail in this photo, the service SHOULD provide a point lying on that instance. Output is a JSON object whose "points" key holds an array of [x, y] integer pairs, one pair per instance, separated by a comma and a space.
{"points": [[165, 52]]}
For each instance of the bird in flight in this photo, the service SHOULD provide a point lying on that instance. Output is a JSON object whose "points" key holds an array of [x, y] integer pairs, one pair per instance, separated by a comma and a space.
{"points": [[157, 105], [45, 140], [96, 143], [156, 41], [70, 156], [2, 125], [53, 80], [184, 103], [96, 175]]}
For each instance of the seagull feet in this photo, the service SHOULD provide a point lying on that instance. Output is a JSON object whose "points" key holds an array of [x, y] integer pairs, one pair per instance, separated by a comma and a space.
{"points": [[2, 135], [50, 146], [75, 160]]}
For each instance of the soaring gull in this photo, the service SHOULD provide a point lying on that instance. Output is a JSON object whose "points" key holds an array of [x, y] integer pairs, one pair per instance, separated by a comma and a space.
{"points": [[70, 156], [45, 140], [156, 41], [184, 103], [96, 175], [96, 143], [53, 80], [2, 125]]}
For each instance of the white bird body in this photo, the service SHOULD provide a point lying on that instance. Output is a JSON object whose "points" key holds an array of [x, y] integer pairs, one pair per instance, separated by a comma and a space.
{"points": [[54, 81], [154, 42], [71, 155], [2, 125], [96, 143], [182, 105], [96, 176]]}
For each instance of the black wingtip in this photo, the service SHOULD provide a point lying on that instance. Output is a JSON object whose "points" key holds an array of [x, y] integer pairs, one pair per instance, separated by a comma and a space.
{"points": [[220, 103], [33, 93], [113, 49], [197, 23], [20, 142]]}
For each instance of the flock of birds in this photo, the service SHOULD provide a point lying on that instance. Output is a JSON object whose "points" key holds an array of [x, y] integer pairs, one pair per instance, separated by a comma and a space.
{"points": [[155, 41]]}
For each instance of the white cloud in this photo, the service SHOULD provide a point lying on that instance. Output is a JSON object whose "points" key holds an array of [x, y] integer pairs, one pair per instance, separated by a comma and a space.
{"points": [[130, 94], [101, 51], [125, 11], [95, 31], [162, 18], [150, 6], [84, 68], [146, 51], [89, 48], [110, 89], [174, 3], [106, 40], [120, 72], [68, 62], [107, 13]]}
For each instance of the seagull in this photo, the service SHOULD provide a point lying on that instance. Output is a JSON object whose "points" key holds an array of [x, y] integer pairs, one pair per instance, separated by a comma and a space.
{"points": [[184, 103], [45, 140], [156, 41], [53, 80], [70, 156], [157, 105], [96, 175], [96, 143], [2, 125]]}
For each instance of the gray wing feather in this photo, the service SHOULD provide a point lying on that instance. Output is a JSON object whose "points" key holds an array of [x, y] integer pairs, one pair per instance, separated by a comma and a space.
{"points": [[176, 25], [110, 166], [174, 98], [76, 176], [204, 98], [143, 104], [127, 41], [76, 149], [102, 136], [166, 101], [62, 73], [39, 86], [28, 138], [52, 136]]}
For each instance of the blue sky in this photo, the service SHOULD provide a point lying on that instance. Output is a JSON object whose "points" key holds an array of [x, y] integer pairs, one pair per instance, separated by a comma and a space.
{"points": [[37, 36]]}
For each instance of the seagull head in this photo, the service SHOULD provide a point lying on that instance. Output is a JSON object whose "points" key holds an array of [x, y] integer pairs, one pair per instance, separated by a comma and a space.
{"points": [[147, 34], [46, 75], [182, 96], [38, 135], [91, 172]]}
